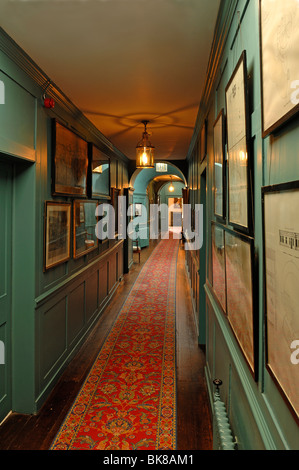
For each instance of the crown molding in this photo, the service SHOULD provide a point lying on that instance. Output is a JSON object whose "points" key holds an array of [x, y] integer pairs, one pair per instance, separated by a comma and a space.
{"points": [[20, 58], [223, 23]]}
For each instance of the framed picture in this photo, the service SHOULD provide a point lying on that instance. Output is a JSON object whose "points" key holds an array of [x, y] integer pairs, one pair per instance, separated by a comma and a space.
{"points": [[114, 201], [218, 264], [238, 132], [241, 278], [219, 166], [84, 227], [203, 141], [279, 40], [69, 162], [281, 280], [98, 174], [57, 233], [138, 209]]}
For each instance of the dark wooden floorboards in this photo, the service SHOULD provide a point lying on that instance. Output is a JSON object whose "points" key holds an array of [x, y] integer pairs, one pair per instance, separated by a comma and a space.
{"points": [[36, 432]]}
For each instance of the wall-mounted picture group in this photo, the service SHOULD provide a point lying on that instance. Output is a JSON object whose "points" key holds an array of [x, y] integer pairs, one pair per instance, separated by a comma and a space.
{"points": [[234, 269], [233, 277], [80, 172]]}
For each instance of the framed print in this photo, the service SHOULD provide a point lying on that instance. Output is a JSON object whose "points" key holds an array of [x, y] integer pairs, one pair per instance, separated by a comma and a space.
{"points": [[138, 209], [279, 40], [98, 174], [219, 166], [239, 209], [218, 264], [57, 233], [281, 280], [69, 162], [241, 294], [84, 227], [203, 141], [114, 201]]}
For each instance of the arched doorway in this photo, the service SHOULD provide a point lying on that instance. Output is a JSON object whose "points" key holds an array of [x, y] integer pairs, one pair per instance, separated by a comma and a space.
{"points": [[147, 186]]}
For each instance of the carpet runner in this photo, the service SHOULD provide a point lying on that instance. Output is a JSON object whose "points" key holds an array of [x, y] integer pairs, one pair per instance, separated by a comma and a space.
{"points": [[128, 400]]}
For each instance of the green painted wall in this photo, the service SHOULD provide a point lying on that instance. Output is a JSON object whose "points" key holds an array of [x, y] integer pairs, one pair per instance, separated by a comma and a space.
{"points": [[143, 192], [51, 312], [258, 413]]}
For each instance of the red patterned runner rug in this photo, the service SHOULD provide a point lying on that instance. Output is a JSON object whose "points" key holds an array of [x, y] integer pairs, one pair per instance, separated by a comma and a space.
{"points": [[128, 401]]}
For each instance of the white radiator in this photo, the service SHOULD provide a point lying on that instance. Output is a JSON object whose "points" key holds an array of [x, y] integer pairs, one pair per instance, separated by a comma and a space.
{"points": [[222, 434]]}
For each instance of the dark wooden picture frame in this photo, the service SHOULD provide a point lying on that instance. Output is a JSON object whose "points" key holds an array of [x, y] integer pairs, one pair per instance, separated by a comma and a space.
{"points": [[114, 202], [57, 233], [84, 225], [98, 173], [239, 165], [242, 299], [203, 140], [280, 204], [283, 106], [219, 174], [69, 162]]}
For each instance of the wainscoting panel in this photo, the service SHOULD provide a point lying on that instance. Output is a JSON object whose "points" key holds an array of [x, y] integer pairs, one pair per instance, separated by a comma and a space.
{"points": [[65, 316], [52, 335], [75, 313], [91, 295]]}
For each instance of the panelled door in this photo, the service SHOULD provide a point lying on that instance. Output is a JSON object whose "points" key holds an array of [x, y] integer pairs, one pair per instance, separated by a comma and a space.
{"points": [[5, 287]]}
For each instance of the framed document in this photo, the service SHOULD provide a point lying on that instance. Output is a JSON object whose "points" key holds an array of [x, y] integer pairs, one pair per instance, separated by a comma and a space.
{"points": [[57, 233], [203, 140], [218, 264], [69, 162], [238, 132], [279, 39], [84, 225], [241, 294], [115, 193], [98, 174], [219, 166], [281, 281]]}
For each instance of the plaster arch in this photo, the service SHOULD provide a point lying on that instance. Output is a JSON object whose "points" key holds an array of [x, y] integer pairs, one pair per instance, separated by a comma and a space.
{"points": [[142, 177]]}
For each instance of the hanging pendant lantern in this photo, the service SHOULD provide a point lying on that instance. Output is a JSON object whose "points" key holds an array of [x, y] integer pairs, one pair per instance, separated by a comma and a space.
{"points": [[171, 187], [145, 151]]}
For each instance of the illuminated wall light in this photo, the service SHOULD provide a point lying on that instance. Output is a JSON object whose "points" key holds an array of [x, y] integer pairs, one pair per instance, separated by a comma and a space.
{"points": [[145, 151]]}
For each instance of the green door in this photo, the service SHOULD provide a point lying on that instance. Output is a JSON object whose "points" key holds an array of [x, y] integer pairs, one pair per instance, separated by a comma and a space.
{"points": [[5, 287]]}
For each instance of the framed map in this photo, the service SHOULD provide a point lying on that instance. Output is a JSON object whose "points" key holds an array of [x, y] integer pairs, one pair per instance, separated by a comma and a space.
{"points": [[69, 162], [84, 225], [57, 233], [219, 166], [241, 294], [279, 39], [218, 264], [203, 140], [281, 281], [98, 173], [238, 132]]}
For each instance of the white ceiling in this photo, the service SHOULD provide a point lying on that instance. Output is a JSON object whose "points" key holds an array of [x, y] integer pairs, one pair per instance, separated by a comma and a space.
{"points": [[123, 61]]}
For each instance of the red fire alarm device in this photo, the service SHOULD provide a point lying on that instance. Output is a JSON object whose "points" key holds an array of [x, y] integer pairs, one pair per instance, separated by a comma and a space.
{"points": [[49, 103]]}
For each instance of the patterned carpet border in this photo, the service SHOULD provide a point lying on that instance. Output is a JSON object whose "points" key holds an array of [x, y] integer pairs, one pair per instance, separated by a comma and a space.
{"points": [[165, 424]]}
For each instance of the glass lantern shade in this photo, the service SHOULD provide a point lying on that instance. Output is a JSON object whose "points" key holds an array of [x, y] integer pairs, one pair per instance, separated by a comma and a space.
{"points": [[145, 152], [144, 157]]}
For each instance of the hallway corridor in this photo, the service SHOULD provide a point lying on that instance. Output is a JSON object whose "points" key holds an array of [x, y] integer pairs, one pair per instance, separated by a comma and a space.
{"points": [[119, 121], [194, 432]]}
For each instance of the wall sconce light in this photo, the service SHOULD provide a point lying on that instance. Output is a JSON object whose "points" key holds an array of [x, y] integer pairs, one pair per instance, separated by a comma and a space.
{"points": [[145, 151]]}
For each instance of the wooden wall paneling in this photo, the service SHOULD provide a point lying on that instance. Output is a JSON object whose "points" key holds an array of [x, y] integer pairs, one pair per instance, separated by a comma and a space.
{"points": [[52, 336], [91, 295], [103, 282], [76, 313]]}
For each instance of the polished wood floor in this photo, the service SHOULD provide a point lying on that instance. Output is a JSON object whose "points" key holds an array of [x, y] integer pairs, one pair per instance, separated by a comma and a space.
{"points": [[194, 432]]}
